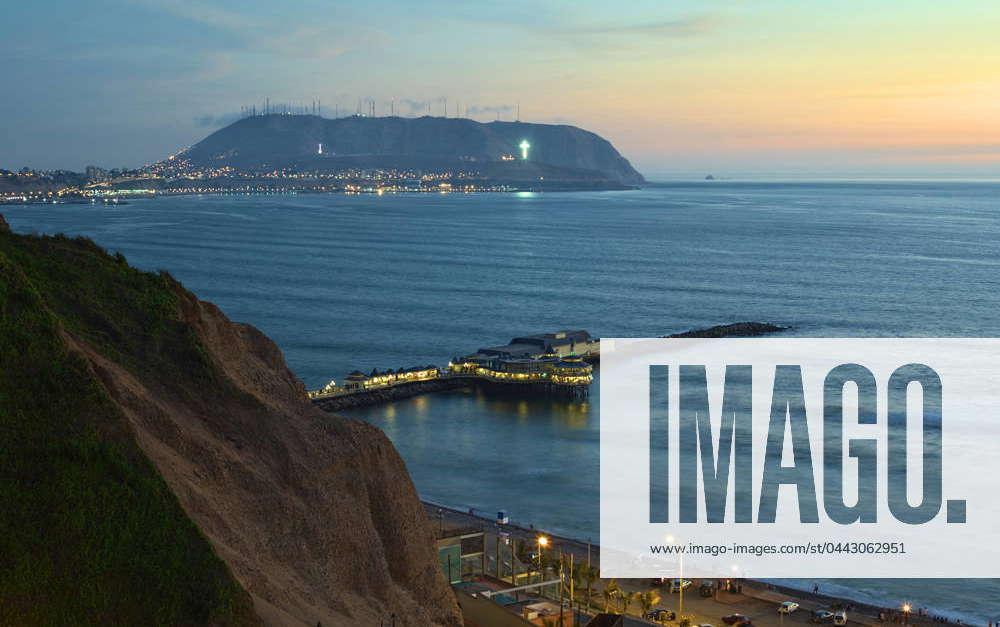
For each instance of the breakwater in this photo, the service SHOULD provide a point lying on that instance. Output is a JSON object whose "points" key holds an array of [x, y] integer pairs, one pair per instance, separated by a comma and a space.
{"points": [[388, 394]]}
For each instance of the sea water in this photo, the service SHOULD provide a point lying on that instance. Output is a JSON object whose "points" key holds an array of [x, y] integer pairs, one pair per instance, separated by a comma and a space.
{"points": [[364, 281]]}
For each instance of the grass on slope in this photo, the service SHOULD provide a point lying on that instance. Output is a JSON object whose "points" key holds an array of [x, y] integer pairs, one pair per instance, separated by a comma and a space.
{"points": [[89, 531]]}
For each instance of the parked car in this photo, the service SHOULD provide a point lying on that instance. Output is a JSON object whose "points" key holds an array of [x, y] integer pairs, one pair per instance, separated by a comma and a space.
{"points": [[707, 588], [735, 619], [822, 617], [840, 618], [788, 607], [661, 615], [680, 584]]}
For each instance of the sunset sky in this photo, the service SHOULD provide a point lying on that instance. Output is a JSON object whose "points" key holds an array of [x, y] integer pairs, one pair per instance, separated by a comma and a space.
{"points": [[766, 87]]}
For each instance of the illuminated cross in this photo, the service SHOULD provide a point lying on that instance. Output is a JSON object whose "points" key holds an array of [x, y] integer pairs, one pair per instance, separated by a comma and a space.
{"points": [[524, 148]]}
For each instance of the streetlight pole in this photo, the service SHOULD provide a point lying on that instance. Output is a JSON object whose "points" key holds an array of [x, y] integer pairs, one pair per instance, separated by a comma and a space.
{"points": [[572, 588], [680, 581], [681, 604], [560, 588], [542, 543]]}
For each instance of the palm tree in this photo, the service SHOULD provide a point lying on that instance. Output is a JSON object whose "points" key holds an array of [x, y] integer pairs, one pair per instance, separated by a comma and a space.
{"points": [[627, 599], [648, 599], [610, 591]]}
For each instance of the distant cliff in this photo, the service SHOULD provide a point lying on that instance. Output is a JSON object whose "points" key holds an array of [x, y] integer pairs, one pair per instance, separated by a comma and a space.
{"points": [[161, 465], [278, 141]]}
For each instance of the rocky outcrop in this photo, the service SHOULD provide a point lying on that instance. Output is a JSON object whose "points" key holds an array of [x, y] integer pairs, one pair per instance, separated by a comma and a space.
{"points": [[269, 141], [314, 515], [735, 329]]}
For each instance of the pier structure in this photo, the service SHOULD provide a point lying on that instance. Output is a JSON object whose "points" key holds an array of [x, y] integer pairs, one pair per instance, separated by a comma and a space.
{"points": [[549, 364]]}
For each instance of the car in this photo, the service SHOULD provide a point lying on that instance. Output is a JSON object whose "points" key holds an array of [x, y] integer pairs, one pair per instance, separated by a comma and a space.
{"points": [[788, 607], [735, 619], [661, 615], [840, 618], [677, 585], [823, 617], [707, 588]]}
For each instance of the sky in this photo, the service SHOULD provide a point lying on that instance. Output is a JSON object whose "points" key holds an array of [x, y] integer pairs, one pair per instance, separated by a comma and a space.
{"points": [[681, 88]]}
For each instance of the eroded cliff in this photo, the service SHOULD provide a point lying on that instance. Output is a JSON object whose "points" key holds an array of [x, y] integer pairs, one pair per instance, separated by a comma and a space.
{"points": [[314, 517]]}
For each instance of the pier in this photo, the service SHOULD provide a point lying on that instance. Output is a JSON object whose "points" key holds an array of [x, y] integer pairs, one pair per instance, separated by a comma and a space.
{"points": [[548, 364]]}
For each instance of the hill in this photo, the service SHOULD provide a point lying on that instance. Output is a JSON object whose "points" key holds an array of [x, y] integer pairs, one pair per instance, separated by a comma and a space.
{"points": [[267, 142], [162, 466]]}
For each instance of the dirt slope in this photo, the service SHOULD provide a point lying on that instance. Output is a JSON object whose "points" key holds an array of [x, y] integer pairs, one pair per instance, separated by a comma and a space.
{"points": [[314, 515]]}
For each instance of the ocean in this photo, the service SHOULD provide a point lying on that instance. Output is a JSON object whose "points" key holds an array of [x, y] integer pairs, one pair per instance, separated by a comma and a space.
{"points": [[365, 281]]}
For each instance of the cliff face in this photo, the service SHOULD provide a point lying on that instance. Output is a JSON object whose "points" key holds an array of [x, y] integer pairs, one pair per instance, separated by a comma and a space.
{"points": [[314, 517], [293, 140]]}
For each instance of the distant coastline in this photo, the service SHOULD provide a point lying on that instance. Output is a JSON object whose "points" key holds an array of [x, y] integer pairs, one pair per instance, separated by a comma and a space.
{"points": [[125, 197], [301, 153]]}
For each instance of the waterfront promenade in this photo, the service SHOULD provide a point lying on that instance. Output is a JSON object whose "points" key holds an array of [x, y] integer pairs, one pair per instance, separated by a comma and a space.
{"points": [[758, 600]]}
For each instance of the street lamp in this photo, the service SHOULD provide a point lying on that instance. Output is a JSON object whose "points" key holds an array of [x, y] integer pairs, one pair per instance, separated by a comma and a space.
{"points": [[542, 543], [906, 613]]}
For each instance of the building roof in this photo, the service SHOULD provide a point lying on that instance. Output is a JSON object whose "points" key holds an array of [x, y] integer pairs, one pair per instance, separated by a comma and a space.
{"points": [[515, 349], [605, 620]]}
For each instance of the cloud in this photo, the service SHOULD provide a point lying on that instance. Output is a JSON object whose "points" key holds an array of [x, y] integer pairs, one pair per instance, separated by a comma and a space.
{"points": [[691, 26], [285, 37], [201, 13]]}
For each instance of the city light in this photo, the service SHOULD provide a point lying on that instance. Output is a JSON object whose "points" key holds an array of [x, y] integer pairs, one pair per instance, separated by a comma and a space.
{"points": [[524, 149]]}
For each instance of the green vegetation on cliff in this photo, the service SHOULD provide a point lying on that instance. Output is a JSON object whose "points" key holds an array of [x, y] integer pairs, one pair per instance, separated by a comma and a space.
{"points": [[89, 531]]}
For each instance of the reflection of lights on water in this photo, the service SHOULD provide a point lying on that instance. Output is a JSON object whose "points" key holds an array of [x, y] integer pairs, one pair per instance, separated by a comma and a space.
{"points": [[390, 413]]}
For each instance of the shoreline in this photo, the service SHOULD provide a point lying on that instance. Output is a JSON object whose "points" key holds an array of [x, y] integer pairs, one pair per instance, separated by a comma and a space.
{"points": [[862, 612], [369, 190]]}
